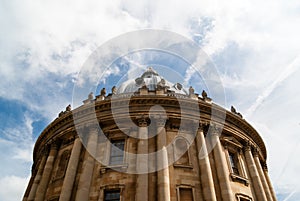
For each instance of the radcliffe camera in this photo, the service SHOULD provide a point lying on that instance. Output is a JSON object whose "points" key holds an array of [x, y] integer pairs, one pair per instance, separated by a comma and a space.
{"points": [[149, 100], [150, 139]]}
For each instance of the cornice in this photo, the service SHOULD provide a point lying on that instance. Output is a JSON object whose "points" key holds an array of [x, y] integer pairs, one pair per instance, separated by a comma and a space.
{"points": [[140, 104]]}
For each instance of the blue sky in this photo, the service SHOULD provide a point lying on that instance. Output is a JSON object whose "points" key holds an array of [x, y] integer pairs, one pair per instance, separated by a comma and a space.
{"points": [[254, 45]]}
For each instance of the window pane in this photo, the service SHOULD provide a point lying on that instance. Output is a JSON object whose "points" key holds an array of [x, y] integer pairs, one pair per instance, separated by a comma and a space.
{"points": [[63, 163], [112, 195], [181, 152], [233, 163], [117, 152], [186, 194]]}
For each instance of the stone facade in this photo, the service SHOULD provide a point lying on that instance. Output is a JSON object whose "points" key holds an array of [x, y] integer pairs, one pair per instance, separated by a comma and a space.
{"points": [[81, 159]]}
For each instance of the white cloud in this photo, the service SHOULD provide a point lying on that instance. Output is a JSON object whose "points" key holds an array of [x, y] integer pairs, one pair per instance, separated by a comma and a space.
{"points": [[52, 37], [289, 69], [44, 44], [16, 146], [12, 187]]}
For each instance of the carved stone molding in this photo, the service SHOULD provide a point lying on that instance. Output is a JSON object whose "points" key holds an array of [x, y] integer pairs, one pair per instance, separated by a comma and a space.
{"points": [[191, 126], [52, 144], [142, 121], [247, 146], [92, 126], [159, 121], [255, 152], [215, 129], [265, 166]]}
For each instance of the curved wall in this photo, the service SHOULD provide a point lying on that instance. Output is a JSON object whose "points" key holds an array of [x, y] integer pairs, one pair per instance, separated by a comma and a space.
{"points": [[225, 158]]}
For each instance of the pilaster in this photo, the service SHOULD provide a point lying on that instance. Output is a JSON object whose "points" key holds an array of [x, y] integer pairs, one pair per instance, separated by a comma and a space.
{"points": [[265, 170], [142, 159], [70, 175], [88, 164], [163, 178], [38, 177], [261, 175], [206, 177], [221, 164], [42, 188], [257, 184]]}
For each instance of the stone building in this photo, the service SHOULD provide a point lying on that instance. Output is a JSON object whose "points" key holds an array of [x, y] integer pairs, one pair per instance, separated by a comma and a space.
{"points": [[149, 139]]}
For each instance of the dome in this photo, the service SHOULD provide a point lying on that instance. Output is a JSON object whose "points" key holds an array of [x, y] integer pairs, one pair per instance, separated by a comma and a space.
{"points": [[152, 80]]}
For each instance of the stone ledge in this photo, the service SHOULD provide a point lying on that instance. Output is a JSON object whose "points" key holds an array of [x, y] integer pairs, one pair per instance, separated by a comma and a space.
{"points": [[240, 179], [121, 167]]}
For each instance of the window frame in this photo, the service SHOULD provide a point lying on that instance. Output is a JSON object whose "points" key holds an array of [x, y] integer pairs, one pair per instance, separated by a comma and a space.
{"points": [[110, 152], [233, 147], [119, 187], [243, 197], [185, 186], [107, 153], [234, 163], [111, 191], [60, 173], [176, 160]]}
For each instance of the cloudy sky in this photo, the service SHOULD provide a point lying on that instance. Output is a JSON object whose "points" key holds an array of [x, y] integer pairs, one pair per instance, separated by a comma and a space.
{"points": [[255, 46]]}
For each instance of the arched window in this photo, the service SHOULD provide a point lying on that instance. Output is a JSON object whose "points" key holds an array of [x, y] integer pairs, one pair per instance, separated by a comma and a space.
{"points": [[181, 153], [63, 164]]}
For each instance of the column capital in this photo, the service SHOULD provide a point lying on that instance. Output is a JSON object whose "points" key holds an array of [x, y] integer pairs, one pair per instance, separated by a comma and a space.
{"points": [[142, 121], [54, 144], [247, 146], [160, 121], [201, 127], [45, 150], [195, 125], [265, 166], [255, 152], [224, 143], [93, 126], [79, 128], [215, 129]]}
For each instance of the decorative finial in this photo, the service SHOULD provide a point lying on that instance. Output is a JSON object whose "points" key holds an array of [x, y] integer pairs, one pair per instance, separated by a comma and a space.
{"points": [[191, 91], [233, 110], [91, 96], [114, 90], [68, 108], [103, 92], [204, 94]]}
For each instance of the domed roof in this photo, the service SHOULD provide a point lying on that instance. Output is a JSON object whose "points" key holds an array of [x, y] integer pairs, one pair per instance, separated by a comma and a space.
{"points": [[151, 79]]}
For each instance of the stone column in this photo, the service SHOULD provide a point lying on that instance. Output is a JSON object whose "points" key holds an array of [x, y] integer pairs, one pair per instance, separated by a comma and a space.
{"points": [[265, 170], [163, 179], [28, 188], [206, 177], [262, 176], [257, 185], [221, 166], [42, 188], [142, 160], [37, 178], [71, 171], [85, 179]]}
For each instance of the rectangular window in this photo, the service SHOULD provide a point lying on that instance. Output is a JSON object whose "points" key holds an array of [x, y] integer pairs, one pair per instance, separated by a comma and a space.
{"points": [[234, 163], [181, 152], [186, 194], [242, 197], [112, 195], [117, 152]]}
